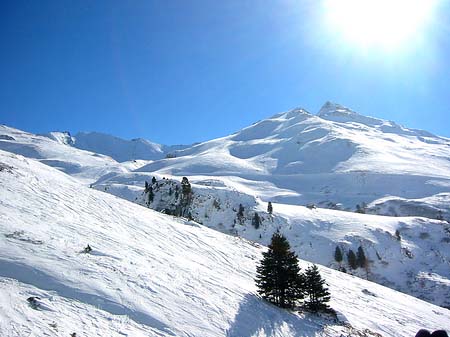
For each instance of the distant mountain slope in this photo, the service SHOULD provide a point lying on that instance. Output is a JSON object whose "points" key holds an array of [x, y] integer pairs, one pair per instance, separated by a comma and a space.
{"points": [[154, 275], [54, 150], [337, 156], [121, 149]]}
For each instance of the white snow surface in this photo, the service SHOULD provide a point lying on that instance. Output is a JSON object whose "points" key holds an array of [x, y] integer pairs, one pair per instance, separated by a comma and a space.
{"points": [[337, 156], [121, 149], [54, 149], [150, 274]]}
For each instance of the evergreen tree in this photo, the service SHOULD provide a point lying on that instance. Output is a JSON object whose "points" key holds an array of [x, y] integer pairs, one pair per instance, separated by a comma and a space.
{"points": [[278, 275], [256, 221], [338, 254], [185, 186], [352, 259], [269, 208], [318, 294], [397, 235], [361, 260], [240, 211], [186, 196], [146, 187], [153, 180], [151, 195]]}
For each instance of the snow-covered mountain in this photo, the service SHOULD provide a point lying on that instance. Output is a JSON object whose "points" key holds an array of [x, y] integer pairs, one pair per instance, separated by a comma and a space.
{"points": [[337, 159], [121, 149], [337, 156], [54, 151], [150, 274]]}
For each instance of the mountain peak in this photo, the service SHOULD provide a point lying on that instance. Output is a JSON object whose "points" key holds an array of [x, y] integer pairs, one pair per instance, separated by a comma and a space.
{"points": [[330, 108]]}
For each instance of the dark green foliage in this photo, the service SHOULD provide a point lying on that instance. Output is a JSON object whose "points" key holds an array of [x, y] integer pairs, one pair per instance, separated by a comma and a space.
{"points": [[318, 294], [338, 255], [240, 211], [361, 208], [256, 221], [361, 260], [185, 186], [278, 276], [153, 180], [150, 195], [240, 214], [87, 249], [269, 208], [352, 259]]}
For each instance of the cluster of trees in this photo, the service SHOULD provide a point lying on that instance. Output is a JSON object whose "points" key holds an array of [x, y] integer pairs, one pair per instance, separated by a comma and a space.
{"points": [[183, 196], [280, 281], [358, 260], [256, 220]]}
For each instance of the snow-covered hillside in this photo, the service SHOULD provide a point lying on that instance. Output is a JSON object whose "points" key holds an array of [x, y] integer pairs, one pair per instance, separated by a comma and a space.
{"points": [[410, 254], [54, 149], [150, 274], [121, 149], [337, 156]]}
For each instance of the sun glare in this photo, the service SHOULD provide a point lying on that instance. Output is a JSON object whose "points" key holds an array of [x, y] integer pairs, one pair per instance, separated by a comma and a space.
{"points": [[386, 24]]}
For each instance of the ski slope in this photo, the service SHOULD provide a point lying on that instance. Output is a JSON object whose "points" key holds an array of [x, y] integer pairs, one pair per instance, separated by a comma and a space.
{"points": [[154, 275]]}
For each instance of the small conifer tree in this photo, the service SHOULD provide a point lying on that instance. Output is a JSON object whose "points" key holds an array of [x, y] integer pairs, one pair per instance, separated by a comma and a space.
{"points": [[361, 260], [269, 208], [150, 195], [318, 294], [256, 221], [240, 211], [153, 180], [338, 255], [278, 276], [352, 259]]}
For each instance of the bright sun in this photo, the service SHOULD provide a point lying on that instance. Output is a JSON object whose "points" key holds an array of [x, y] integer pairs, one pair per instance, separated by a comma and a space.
{"points": [[386, 24]]}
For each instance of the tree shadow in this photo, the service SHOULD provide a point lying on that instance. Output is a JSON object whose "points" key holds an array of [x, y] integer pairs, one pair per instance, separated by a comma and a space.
{"points": [[256, 317]]}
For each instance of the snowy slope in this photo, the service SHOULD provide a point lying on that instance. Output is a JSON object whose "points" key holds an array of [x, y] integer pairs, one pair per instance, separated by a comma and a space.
{"points": [[154, 275], [54, 149], [434, 207], [417, 264], [336, 156], [121, 149]]}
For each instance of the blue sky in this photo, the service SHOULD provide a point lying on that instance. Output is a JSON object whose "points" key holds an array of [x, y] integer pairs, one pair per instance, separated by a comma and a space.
{"points": [[186, 71]]}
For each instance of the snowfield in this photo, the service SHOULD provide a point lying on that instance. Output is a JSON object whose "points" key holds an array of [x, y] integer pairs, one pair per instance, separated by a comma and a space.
{"points": [[53, 150], [150, 274], [336, 156]]}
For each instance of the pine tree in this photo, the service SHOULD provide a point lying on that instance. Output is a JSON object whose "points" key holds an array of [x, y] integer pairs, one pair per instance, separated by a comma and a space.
{"points": [[269, 208], [318, 294], [361, 260], [240, 211], [278, 275], [338, 254], [185, 186], [397, 235], [151, 195], [153, 180], [256, 221], [352, 259]]}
